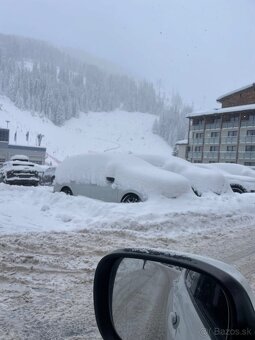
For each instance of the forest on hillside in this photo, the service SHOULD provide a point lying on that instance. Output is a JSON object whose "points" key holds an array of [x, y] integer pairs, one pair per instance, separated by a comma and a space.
{"points": [[41, 78]]}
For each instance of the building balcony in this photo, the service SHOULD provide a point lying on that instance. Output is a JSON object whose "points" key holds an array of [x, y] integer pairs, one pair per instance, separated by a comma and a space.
{"points": [[247, 139], [194, 155], [230, 125], [228, 155], [197, 141], [197, 127], [211, 155], [248, 123], [229, 140], [250, 155], [212, 140], [212, 126]]}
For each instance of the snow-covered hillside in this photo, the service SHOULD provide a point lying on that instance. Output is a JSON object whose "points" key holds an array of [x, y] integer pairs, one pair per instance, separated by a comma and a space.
{"points": [[91, 132]]}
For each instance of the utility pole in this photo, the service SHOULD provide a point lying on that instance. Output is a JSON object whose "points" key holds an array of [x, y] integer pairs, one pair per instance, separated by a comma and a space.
{"points": [[7, 123]]}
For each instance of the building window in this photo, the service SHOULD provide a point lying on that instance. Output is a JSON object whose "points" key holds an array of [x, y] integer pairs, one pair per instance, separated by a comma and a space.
{"points": [[231, 148], [198, 135], [231, 118], [234, 118], [215, 134], [4, 135], [214, 148], [198, 148], [251, 133], [232, 133], [250, 148], [197, 121], [249, 163]]}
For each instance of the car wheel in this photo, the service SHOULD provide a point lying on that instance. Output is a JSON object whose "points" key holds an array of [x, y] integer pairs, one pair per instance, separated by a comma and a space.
{"points": [[238, 188], [131, 198], [67, 191]]}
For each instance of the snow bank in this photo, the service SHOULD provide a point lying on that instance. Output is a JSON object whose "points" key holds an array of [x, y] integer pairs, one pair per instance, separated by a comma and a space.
{"points": [[38, 209]]}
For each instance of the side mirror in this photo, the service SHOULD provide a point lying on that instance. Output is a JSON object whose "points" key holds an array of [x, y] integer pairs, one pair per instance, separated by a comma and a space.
{"points": [[145, 294], [110, 179]]}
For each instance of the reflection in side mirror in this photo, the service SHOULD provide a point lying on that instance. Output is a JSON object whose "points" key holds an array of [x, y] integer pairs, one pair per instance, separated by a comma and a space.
{"points": [[147, 294], [153, 300]]}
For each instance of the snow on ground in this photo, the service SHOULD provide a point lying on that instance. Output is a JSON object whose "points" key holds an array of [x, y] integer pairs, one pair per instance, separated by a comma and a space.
{"points": [[37, 209], [50, 244], [91, 132]]}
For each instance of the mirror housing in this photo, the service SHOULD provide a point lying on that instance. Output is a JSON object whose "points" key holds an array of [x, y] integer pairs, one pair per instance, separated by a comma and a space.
{"points": [[241, 301], [110, 179]]}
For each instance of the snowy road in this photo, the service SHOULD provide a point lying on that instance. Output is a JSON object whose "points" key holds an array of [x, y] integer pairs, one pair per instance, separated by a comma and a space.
{"points": [[50, 245]]}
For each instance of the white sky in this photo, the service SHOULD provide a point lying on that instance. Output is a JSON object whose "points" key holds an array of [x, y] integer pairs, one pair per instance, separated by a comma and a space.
{"points": [[200, 48]]}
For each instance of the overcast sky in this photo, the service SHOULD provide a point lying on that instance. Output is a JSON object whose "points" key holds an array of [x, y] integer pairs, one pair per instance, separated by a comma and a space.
{"points": [[200, 48]]}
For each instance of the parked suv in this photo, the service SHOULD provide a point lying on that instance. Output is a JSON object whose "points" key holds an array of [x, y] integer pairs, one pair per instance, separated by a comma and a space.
{"points": [[19, 171]]}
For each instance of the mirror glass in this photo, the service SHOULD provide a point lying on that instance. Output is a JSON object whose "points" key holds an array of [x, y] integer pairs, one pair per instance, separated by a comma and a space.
{"points": [[157, 301]]}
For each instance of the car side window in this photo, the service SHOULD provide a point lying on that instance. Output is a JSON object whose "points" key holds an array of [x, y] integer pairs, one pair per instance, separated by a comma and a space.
{"points": [[209, 300]]}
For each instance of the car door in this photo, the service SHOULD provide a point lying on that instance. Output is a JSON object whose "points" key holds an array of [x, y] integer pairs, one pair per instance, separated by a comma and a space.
{"points": [[106, 191], [196, 302]]}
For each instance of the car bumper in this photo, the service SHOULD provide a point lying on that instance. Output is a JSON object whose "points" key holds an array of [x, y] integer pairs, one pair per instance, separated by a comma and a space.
{"points": [[22, 182]]}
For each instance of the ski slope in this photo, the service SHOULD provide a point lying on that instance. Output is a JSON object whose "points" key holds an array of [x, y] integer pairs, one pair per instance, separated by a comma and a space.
{"points": [[91, 132]]}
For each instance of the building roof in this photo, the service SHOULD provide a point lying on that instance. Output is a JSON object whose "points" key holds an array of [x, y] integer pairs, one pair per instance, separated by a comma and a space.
{"points": [[220, 110], [182, 142], [25, 147], [235, 91]]}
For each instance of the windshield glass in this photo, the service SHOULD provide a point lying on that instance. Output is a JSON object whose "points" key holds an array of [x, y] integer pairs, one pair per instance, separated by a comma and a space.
{"points": [[122, 124]]}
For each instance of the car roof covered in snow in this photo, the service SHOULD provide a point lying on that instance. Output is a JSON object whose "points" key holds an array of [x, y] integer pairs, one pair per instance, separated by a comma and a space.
{"points": [[129, 172]]}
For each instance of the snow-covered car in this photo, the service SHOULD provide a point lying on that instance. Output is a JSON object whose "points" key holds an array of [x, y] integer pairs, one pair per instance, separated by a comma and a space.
{"points": [[19, 171], [198, 177], [239, 183], [235, 169], [48, 176], [117, 178]]}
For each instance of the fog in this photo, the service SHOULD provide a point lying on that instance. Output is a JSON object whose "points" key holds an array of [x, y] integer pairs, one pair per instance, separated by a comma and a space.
{"points": [[199, 48]]}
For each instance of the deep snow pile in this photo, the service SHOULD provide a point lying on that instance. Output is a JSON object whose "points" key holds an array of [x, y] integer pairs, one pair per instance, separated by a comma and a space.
{"points": [[91, 132], [46, 279], [39, 209]]}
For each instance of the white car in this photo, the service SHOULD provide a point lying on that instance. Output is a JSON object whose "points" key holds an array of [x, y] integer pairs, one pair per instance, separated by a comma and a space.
{"points": [[117, 178], [239, 183], [235, 169], [202, 180], [19, 171], [149, 294]]}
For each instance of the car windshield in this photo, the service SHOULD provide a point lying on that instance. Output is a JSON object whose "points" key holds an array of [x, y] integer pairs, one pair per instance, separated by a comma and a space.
{"points": [[22, 164], [122, 124]]}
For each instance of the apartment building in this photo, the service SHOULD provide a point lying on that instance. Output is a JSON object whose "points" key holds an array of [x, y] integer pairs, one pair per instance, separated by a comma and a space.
{"points": [[226, 134]]}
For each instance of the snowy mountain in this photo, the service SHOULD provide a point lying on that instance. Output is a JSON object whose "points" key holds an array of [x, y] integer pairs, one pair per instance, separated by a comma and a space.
{"points": [[91, 132], [39, 77]]}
